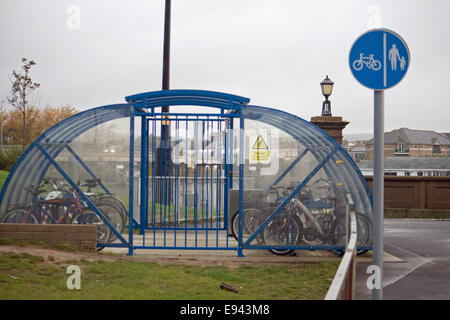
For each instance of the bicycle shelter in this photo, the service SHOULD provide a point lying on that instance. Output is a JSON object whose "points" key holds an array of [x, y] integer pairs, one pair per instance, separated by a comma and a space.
{"points": [[183, 174]]}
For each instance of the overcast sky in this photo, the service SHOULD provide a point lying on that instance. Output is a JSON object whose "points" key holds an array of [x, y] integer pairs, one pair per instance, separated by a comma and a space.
{"points": [[96, 52]]}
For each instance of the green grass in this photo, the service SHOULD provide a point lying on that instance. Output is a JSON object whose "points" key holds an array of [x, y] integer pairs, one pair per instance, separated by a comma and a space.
{"points": [[3, 176], [417, 213], [23, 276]]}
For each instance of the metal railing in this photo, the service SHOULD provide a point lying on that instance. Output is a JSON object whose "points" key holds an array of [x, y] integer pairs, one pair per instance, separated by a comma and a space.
{"points": [[343, 285]]}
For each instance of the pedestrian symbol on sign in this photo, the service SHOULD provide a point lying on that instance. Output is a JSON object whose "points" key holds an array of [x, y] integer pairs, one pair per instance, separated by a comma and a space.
{"points": [[393, 55]]}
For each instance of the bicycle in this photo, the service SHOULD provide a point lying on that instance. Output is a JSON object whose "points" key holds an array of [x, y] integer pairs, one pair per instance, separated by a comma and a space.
{"points": [[58, 207], [369, 62], [303, 220], [110, 209]]}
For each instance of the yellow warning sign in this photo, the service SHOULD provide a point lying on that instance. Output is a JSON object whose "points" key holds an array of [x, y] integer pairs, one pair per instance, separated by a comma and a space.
{"points": [[260, 151]]}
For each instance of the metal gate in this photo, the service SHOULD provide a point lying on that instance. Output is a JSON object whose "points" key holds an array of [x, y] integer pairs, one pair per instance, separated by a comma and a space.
{"points": [[185, 171]]}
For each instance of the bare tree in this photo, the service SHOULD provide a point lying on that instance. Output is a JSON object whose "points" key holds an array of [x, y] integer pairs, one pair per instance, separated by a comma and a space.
{"points": [[22, 88]]}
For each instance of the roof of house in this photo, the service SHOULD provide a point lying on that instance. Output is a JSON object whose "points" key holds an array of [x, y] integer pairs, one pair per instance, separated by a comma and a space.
{"points": [[429, 163], [447, 134], [358, 149], [410, 136]]}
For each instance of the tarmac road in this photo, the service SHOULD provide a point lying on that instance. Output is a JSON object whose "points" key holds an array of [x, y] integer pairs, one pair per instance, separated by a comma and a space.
{"points": [[424, 269]]}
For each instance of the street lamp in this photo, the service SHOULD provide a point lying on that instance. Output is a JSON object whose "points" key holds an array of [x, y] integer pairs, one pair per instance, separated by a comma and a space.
{"points": [[327, 87]]}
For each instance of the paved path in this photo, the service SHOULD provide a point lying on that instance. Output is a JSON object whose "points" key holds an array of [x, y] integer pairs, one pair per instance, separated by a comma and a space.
{"points": [[423, 268], [229, 257], [208, 256]]}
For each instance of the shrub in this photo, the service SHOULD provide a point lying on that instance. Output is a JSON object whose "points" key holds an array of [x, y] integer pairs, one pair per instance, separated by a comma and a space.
{"points": [[9, 158]]}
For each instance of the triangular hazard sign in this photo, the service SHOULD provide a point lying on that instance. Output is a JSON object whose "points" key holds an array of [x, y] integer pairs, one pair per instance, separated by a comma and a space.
{"points": [[260, 144]]}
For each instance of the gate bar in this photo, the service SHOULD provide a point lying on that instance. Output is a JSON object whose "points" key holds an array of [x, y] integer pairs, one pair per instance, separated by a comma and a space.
{"points": [[195, 177], [176, 184], [131, 184], [144, 177], [241, 181], [154, 183], [186, 184]]}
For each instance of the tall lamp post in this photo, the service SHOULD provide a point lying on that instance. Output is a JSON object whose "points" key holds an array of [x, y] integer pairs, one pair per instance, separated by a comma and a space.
{"points": [[327, 88], [163, 152]]}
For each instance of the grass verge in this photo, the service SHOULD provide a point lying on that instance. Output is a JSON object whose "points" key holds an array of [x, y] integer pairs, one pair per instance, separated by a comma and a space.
{"points": [[3, 176], [24, 276], [416, 214]]}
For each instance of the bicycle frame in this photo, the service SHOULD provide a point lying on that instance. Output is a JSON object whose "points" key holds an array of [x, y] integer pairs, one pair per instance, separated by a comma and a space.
{"points": [[72, 205]]}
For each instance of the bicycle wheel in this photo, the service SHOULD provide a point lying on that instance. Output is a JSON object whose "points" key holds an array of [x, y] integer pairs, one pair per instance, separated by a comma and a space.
{"points": [[364, 234], [116, 203], [21, 214], [113, 215], [357, 65], [364, 231], [88, 216], [249, 221], [376, 65], [311, 235], [282, 231]]}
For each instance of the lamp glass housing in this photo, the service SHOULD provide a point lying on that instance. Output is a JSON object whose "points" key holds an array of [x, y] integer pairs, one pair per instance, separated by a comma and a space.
{"points": [[327, 87]]}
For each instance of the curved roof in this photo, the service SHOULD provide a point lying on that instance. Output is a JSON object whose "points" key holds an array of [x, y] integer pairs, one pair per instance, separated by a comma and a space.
{"points": [[187, 97], [340, 166], [33, 164]]}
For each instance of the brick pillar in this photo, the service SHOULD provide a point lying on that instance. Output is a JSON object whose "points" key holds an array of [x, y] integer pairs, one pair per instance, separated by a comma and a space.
{"points": [[331, 125]]}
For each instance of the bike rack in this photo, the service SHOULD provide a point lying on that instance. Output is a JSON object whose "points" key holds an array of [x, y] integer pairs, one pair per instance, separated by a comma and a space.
{"points": [[232, 112]]}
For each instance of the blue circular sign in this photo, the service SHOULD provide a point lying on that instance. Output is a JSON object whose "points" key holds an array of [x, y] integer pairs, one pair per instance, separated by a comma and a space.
{"points": [[379, 59]]}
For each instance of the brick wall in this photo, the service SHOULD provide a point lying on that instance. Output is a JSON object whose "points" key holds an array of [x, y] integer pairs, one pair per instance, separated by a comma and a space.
{"points": [[415, 192], [74, 235]]}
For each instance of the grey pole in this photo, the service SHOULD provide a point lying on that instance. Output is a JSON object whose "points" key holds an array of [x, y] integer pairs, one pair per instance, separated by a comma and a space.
{"points": [[163, 152], [378, 188]]}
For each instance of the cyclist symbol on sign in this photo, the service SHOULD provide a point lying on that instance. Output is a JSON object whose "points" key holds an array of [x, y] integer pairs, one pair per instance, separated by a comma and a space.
{"points": [[369, 62]]}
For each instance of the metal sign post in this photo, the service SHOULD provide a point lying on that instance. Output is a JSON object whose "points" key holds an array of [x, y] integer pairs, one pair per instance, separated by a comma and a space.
{"points": [[379, 59], [378, 189]]}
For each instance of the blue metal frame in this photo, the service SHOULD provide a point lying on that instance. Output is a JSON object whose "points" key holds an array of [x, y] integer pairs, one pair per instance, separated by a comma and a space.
{"points": [[319, 144], [145, 106], [82, 195], [290, 197], [92, 174], [35, 161], [131, 185], [204, 209], [289, 168], [303, 131]]}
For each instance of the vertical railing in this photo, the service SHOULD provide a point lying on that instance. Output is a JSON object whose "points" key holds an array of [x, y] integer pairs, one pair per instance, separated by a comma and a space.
{"points": [[343, 285]]}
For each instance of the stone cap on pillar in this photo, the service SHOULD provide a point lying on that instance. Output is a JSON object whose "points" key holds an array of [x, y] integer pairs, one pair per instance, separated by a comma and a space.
{"points": [[332, 125]]}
